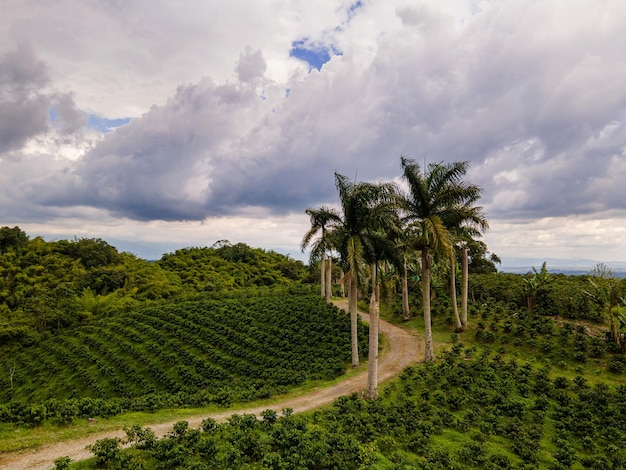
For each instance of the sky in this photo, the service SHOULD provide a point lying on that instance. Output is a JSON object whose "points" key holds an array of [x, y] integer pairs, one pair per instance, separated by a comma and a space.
{"points": [[157, 125]]}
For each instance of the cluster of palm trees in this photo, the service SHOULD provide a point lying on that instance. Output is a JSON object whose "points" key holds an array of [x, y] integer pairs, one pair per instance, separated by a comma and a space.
{"points": [[380, 224]]}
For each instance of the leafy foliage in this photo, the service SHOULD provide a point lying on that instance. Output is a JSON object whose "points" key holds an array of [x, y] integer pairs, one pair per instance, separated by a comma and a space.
{"points": [[500, 413], [229, 266], [47, 287], [559, 295], [190, 353]]}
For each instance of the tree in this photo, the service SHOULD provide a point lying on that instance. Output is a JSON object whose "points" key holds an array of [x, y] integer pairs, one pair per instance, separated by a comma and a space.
{"points": [[458, 325], [12, 238], [361, 236], [436, 200], [465, 224], [405, 249], [92, 252], [329, 279], [606, 292], [406, 311], [320, 219], [481, 261], [532, 285], [353, 231], [382, 247]]}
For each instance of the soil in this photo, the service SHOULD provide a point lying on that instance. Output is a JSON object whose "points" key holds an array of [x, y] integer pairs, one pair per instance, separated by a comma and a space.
{"points": [[402, 349]]}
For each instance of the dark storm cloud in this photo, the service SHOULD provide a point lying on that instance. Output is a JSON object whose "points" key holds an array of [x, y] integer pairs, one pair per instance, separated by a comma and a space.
{"points": [[161, 166], [23, 108]]}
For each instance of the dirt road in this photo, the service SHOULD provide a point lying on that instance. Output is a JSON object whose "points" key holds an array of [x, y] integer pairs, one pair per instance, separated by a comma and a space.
{"points": [[403, 349]]}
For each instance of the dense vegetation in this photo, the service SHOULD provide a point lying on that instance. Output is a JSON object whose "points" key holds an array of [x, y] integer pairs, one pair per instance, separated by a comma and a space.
{"points": [[473, 409], [535, 380], [529, 389], [88, 331], [46, 287], [193, 353]]}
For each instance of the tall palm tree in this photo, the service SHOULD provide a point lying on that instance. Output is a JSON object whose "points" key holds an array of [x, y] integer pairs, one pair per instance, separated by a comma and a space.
{"points": [[318, 237], [407, 264], [435, 198], [348, 231], [467, 223], [358, 234], [458, 325], [382, 249]]}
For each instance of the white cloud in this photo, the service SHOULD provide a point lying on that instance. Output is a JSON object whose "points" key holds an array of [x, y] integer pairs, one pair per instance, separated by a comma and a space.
{"points": [[600, 237]]}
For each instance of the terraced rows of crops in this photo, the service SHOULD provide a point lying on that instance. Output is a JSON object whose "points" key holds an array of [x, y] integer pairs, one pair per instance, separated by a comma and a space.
{"points": [[258, 345]]}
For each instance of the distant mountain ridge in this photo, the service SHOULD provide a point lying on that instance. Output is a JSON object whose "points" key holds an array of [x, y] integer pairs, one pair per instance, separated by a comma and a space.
{"points": [[575, 266]]}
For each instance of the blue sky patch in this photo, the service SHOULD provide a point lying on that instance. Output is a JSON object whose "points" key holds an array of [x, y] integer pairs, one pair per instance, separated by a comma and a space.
{"points": [[353, 8], [104, 125], [314, 55], [96, 123]]}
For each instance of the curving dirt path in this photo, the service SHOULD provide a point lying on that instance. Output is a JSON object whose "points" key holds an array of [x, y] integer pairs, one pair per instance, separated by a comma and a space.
{"points": [[403, 349]]}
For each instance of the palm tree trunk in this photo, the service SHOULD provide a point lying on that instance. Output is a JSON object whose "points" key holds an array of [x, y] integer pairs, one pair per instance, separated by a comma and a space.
{"points": [[352, 300], [329, 278], [464, 287], [455, 308], [406, 312], [371, 392], [429, 354], [323, 275], [341, 285]]}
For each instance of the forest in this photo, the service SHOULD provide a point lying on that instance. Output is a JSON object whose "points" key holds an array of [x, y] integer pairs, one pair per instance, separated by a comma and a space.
{"points": [[517, 371]]}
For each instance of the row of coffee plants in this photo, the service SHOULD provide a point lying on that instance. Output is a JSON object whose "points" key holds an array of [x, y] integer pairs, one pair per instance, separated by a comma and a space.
{"points": [[193, 353], [556, 295], [559, 340], [474, 409]]}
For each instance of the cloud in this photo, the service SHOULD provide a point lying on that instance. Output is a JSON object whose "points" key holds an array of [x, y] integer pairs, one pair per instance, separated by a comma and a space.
{"points": [[23, 109], [233, 113], [251, 66], [69, 119]]}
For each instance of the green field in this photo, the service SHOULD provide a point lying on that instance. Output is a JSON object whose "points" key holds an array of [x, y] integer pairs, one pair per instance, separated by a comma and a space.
{"points": [[194, 353]]}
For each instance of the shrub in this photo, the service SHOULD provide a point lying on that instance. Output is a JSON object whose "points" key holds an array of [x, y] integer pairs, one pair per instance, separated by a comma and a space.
{"points": [[62, 463], [107, 451]]}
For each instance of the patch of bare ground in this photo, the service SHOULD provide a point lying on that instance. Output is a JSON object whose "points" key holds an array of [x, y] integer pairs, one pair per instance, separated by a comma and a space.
{"points": [[403, 349]]}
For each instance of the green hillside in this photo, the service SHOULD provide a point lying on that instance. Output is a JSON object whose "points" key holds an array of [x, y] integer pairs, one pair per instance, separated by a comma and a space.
{"points": [[535, 380], [192, 353], [49, 287], [516, 390], [475, 409]]}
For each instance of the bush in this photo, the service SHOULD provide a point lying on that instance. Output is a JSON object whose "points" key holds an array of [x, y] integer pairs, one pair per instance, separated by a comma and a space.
{"points": [[62, 463], [107, 451]]}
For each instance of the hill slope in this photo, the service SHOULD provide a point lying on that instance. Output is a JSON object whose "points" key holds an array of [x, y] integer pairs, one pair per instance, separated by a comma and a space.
{"points": [[192, 353]]}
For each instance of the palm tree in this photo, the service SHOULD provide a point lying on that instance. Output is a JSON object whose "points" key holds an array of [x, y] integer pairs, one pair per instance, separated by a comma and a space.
{"points": [[406, 251], [382, 248], [434, 200], [458, 325], [320, 219], [359, 236], [329, 278], [467, 223], [606, 293]]}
